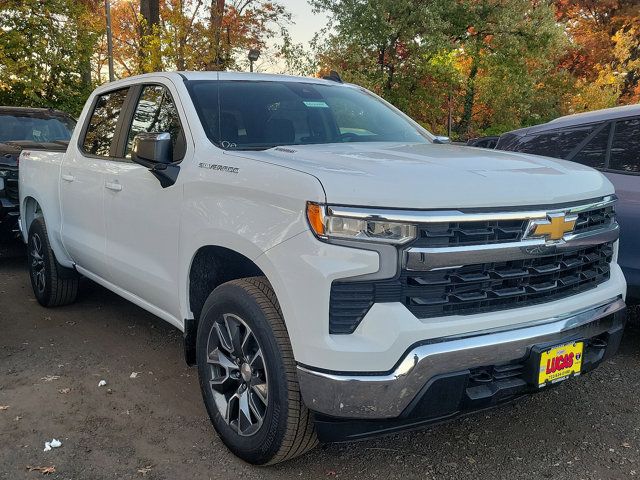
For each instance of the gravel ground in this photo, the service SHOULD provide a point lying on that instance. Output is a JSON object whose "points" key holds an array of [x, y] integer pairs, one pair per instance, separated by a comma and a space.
{"points": [[155, 426]]}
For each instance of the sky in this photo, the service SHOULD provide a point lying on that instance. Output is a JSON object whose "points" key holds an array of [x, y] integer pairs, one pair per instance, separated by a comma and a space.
{"points": [[306, 22]]}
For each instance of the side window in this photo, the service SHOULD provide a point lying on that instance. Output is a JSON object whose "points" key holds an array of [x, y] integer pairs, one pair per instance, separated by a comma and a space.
{"points": [[102, 124], [625, 149], [156, 113], [544, 143], [594, 153], [570, 138]]}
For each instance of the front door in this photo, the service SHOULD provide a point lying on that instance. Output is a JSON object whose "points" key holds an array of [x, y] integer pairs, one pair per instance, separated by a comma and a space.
{"points": [[142, 218]]}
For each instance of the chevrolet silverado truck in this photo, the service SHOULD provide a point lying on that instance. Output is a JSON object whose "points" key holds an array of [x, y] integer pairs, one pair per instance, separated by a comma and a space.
{"points": [[21, 128], [337, 271]]}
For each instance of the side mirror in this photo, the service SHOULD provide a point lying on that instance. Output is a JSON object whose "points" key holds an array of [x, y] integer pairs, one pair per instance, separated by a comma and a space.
{"points": [[442, 140], [155, 151], [152, 148]]}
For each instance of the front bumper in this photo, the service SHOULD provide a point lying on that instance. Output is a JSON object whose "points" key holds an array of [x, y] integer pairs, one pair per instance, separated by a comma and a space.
{"points": [[441, 378]]}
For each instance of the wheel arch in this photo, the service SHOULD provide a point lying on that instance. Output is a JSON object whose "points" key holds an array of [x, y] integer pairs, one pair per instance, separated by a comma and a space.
{"points": [[32, 208], [210, 267]]}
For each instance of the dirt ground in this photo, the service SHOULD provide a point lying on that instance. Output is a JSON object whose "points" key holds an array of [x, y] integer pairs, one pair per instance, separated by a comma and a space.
{"points": [[155, 426]]}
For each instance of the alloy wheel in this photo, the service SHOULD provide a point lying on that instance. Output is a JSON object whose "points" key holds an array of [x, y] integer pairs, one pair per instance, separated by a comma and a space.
{"points": [[38, 272], [238, 374]]}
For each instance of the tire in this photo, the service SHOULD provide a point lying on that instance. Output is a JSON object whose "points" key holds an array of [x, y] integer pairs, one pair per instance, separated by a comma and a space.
{"points": [[53, 285], [249, 311]]}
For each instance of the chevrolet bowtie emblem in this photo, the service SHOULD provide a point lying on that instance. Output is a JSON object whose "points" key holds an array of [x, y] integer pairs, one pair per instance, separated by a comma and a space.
{"points": [[554, 227]]}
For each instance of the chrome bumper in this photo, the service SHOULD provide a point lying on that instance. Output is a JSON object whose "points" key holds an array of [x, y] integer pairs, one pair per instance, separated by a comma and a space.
{"points": [[387, 395]]}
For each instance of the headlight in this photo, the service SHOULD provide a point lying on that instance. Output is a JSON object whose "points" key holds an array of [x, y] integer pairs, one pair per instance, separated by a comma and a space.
{"points": [[327, 226]]}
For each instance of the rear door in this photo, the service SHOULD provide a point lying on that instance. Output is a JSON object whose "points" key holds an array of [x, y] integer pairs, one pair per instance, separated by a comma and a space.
{"points": [[142, 218], [82, 182]]}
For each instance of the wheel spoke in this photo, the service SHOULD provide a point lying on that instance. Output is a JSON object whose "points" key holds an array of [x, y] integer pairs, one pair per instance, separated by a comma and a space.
{"points": [[257, 362], [224, 337], [244, 414], [261, 391]]}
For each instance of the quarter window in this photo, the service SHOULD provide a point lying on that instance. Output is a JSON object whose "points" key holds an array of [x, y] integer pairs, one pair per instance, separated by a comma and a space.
{"points": [[156, 113], [554, 143], [103, 121], [594, 153], [625, 149]]}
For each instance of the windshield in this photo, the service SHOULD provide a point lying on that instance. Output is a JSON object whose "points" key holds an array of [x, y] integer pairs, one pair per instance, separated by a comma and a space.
{"points": [[257, 115], [36, 129]]}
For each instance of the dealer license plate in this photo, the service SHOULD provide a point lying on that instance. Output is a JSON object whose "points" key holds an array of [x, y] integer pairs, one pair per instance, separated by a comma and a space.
{"points": [[559, 363]]}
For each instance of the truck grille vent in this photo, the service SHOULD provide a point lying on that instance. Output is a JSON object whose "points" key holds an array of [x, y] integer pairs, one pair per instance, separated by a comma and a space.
{"points": [[455, 234], [474, 288]]}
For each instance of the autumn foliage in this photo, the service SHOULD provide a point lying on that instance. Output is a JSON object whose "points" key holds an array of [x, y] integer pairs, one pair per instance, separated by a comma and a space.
{"points": [[471, 67]]}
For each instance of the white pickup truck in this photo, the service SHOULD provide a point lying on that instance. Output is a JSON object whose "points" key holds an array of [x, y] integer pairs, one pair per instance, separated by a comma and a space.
{"points": [[337, 271]]}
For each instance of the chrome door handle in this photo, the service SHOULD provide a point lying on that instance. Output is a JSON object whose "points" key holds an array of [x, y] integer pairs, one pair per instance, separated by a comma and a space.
{"points": [[68, 177], [116, 187]]}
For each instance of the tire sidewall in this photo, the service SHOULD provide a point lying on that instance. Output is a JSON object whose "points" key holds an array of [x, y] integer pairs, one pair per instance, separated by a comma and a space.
{"points": [[261, 447]]}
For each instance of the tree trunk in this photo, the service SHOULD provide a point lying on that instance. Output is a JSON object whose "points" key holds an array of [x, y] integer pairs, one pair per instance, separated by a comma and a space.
{"points": [[216, 60], [469, 98], [150, 12]]}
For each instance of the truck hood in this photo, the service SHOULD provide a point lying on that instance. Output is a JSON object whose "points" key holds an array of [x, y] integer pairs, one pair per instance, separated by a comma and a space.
{"points": [[429, 176]]}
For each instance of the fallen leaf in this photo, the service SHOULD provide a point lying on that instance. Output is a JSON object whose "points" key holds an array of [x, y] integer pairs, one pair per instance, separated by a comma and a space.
{"points": [[144, 470], [133, 374], [4, 407], [64, 390], [331, 473], [42, 470], [626, 445], [50, 378]]}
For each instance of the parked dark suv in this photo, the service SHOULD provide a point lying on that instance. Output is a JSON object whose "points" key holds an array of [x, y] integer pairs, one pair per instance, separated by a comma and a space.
{"points": [[22, 128], [608, 140]]}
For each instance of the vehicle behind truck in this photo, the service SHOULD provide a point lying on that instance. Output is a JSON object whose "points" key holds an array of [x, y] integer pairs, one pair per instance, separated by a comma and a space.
{"points": [[609, 141], [337, 272], [20, 128]]}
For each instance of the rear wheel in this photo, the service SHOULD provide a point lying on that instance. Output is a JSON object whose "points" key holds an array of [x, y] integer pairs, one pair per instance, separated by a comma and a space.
{"points": [[53, 284], [248, 374]]}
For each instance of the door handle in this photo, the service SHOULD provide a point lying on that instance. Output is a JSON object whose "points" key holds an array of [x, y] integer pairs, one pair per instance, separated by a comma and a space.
{"points": [[116, 187], [68, 177]]}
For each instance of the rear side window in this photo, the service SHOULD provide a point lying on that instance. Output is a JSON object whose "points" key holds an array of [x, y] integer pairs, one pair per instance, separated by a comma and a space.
{"points": [[553, 143], [594, 153], [102, 124], [570, 138], [156, 113], [625, 149]]}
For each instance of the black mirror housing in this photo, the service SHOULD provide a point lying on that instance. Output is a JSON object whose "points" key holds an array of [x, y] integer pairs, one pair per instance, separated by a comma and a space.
{"points": [[155, 151], [150, 149]]}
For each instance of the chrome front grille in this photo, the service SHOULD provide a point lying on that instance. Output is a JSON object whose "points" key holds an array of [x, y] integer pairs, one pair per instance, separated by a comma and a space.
{"points": [[463, 264], [485, 232]]}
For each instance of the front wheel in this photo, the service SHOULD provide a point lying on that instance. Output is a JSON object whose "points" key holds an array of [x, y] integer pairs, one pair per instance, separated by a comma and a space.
{"points": [[53, 284], [248, 374]]}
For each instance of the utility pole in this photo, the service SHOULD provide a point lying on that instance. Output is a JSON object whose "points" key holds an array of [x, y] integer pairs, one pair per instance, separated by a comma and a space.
{"points": [[449, 120], [107, 9]]}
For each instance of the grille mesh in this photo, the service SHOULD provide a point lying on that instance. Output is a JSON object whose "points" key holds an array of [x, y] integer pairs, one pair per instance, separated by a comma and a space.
{"points": [[474, 288]]}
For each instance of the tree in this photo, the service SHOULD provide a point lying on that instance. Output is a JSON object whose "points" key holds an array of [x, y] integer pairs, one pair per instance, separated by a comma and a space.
{"points": [[605, 50], [45, 49], [149, 30], [484, 59]]}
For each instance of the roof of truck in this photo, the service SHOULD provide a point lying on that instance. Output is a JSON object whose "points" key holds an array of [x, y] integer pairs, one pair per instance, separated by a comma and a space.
{"points": [[210, 75]]}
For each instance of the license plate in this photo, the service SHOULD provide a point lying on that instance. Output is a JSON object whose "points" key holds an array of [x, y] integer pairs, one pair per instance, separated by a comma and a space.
{"points": [[559, 363]]}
